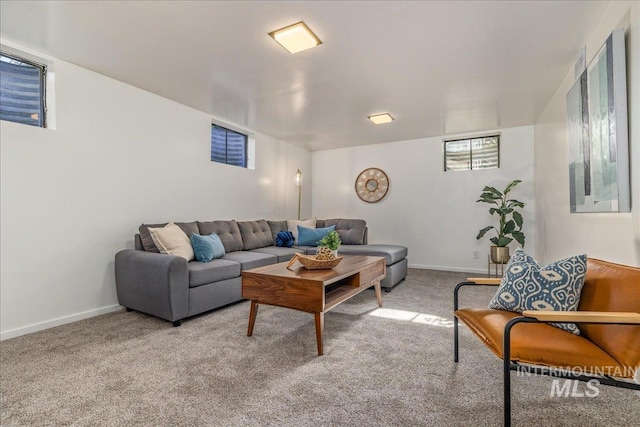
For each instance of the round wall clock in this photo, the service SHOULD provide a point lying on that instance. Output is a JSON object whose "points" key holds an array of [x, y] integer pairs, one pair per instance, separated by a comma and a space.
{"points": [[372, 185]]}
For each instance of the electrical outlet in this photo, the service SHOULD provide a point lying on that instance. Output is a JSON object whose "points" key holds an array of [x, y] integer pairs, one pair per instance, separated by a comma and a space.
{"points": [[476, 255]]}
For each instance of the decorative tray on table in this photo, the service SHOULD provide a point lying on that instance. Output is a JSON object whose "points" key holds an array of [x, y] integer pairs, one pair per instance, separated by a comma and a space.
{"points": [[310, 262]]}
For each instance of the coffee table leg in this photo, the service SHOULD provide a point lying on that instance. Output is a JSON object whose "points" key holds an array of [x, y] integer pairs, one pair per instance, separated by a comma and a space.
{"points": [[252, 316], [319, 331], [378, 293]]}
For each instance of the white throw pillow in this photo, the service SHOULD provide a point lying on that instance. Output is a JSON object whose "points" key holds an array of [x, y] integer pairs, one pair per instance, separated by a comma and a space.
{"points": [[293, 224], [171, 240]]}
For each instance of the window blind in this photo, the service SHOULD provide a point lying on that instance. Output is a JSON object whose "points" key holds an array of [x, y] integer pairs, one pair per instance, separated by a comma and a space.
{"points": [[472, 153], [228, 147], [21, 92]]}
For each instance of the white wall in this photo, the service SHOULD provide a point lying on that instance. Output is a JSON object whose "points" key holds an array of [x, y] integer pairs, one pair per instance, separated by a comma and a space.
{"points": [[430, 211], [72, 197], [613, 237]]}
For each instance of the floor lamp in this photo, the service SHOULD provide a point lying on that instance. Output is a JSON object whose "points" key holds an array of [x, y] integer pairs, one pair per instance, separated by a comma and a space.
{"points": [[299, 184]]}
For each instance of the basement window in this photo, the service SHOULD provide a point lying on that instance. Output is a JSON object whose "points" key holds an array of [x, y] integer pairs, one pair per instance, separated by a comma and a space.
{"points": [[472, 153], [228, 146], [22, 91]]}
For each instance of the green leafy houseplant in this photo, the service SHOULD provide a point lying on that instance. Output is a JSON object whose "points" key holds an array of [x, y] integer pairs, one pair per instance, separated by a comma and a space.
{"points": [[505, 208], [331, 240]]}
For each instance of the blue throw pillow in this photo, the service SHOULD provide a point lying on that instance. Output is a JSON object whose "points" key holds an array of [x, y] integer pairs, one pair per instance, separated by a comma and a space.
{"points": [[311, 236], [528, 286], [284, 239], [207, 248]]}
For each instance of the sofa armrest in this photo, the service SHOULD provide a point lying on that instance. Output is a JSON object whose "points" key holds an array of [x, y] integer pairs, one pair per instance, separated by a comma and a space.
{"points": [[584, 316], [492, 281], [153, 283]]}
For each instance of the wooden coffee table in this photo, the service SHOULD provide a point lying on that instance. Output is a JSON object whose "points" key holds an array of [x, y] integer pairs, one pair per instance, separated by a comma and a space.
{"points": [[313, 291]]}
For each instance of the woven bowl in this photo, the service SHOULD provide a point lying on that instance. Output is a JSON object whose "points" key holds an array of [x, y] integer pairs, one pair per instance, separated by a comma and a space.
{"points": [[311, 263]]}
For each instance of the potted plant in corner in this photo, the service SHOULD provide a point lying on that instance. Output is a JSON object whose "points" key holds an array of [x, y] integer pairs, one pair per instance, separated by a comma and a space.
{"points": [[510, 221], [331, 241]]}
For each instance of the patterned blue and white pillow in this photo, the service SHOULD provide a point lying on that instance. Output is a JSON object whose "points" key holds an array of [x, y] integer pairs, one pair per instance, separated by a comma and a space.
{"points": [[526, 285]]}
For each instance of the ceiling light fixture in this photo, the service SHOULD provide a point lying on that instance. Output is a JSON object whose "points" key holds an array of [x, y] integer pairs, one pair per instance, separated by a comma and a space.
{"points": [[379, 119], [296, 38]]}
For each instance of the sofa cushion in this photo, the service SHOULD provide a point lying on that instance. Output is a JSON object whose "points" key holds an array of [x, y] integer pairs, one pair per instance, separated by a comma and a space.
{"points": [[351, 231], [201, 273], [319, 223], [283, 254], [251, 259], [526, 285], [276, 227], [207, 248], [308, 250], [228, 232], [393, 253], [147, 242], [311, 236], [292, 226], [255, 234]]}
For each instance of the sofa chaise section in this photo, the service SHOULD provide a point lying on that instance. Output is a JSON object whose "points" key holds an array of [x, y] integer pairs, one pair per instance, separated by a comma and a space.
{"points": [[395, 255], [354, 235]]}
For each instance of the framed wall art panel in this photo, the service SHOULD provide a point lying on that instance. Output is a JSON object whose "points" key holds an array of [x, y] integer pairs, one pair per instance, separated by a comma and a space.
{"points": [[598, 133]]}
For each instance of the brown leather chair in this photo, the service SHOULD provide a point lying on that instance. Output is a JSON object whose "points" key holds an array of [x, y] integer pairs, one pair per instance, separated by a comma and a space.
{"points": [[607, 349]]}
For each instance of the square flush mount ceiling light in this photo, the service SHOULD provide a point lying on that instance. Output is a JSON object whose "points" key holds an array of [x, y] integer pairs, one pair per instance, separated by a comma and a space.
{"points": [[296, 38], [379, 119]]}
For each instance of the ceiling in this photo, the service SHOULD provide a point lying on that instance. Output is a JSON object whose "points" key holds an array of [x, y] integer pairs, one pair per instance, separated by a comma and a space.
{"points": [[438, 67]]}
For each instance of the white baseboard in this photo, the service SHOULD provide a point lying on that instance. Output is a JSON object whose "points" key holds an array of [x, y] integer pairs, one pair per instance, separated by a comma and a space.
{"points": [[456, 269], [12, 333]]}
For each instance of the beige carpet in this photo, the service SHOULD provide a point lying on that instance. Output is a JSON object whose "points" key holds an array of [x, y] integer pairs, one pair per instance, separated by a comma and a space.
{"points": [[391, 367]]}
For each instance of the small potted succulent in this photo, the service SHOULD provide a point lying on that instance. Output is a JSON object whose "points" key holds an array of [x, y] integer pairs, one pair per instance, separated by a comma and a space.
{"points": [[331, 241], [510, 221]]}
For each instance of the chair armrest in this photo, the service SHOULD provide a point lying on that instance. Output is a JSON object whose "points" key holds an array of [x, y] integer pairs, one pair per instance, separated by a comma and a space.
{"points": [[473, 281], [153, 283], [584, 316], [492, 281]]}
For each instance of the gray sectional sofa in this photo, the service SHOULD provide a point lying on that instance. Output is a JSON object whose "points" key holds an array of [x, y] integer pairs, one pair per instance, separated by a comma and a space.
{"points": [[171, 288]]}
